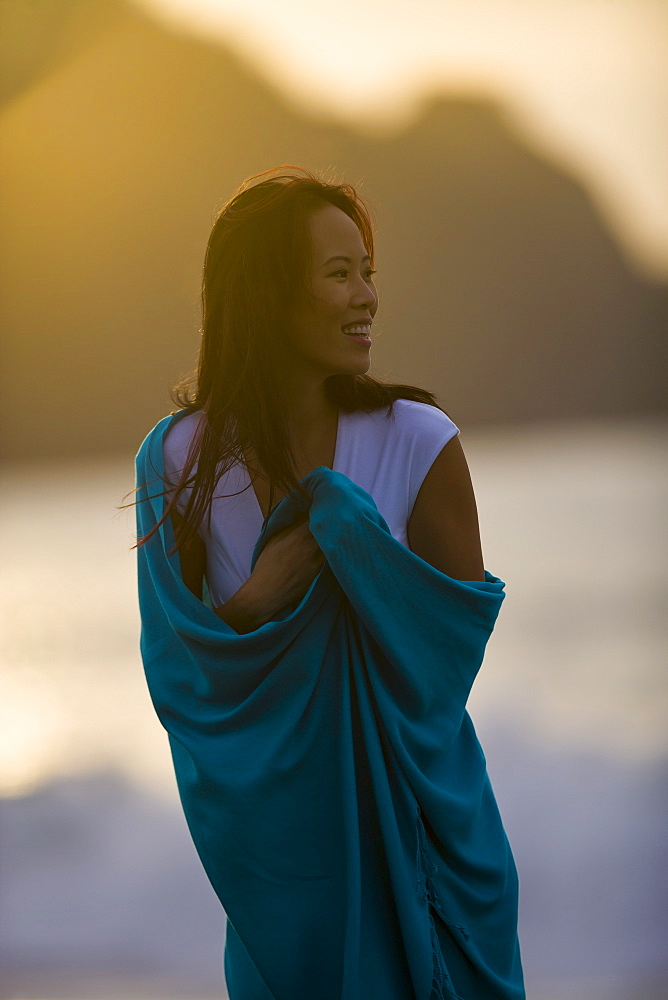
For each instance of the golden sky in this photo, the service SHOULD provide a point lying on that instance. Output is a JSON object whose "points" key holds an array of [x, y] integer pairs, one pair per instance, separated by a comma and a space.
{"points": [[587, 80]]}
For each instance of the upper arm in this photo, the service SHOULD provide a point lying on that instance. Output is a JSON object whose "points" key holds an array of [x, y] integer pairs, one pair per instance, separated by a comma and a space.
{"points": [[192, 558], [443, 526]]}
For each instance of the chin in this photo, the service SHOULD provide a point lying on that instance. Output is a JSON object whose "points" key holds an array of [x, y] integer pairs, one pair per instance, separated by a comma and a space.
{"points": [[361, 367]]}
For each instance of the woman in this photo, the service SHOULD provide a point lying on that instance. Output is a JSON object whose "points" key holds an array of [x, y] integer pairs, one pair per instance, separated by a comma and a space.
{"points": [[329, 772]]}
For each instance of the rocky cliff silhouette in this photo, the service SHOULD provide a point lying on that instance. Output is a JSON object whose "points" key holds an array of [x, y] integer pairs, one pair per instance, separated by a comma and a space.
{"points": [[501, 288]]}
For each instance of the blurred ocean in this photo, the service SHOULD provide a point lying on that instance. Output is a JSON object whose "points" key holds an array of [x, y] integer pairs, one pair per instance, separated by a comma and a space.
{"points": [[102, 894]]}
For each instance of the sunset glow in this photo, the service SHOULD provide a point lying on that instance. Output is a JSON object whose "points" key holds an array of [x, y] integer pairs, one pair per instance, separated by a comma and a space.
{"points": [[586, 81]]}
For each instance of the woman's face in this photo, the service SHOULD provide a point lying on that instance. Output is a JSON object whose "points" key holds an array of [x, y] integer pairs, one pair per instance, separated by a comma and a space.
{"points": [[343, 297]]}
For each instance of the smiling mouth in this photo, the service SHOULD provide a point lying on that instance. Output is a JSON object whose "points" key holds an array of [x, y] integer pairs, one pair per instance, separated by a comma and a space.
{"points": [[357, 330]]}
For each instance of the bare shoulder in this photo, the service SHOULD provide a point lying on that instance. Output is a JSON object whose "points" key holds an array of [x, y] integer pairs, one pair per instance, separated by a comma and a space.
{"points": [[449, 467], [443, 527]]}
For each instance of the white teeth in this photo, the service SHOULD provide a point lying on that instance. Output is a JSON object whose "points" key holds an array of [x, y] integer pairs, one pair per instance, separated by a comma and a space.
{"points": [[356, 329]]}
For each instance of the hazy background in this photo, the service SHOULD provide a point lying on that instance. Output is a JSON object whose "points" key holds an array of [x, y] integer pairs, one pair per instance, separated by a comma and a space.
{"points": [[515, 155]]}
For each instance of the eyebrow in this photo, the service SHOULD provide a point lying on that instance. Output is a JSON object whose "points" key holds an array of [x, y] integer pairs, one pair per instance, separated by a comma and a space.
{"points": [[347, 259]]}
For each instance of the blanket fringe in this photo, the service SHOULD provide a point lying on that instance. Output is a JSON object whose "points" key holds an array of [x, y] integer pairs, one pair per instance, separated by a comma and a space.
{"points": [[441, 984]]}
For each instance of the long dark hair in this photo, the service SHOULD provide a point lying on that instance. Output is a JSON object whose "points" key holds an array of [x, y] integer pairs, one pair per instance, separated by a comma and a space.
{"points": [[256, 264]]}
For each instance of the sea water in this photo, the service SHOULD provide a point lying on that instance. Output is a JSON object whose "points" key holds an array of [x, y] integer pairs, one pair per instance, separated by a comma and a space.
{"points": [[103, 894]]}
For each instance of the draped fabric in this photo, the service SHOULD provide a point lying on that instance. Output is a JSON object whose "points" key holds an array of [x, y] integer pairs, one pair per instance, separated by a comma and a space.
{"points": [[329, 772]]}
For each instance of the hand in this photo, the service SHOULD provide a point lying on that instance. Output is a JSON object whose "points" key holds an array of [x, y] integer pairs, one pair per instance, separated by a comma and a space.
{"points": [[285, 569]]}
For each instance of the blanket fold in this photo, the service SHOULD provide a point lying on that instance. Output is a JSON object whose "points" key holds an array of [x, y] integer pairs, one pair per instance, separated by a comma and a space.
{"points": [[329, 772]]}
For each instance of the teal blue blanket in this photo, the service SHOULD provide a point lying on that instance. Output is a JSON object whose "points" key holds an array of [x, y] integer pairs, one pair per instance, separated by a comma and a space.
{"points": [[329, 772]]}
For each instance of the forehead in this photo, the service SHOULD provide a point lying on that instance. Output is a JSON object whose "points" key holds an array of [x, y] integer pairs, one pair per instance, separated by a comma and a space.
{"points": [[332, 231]]}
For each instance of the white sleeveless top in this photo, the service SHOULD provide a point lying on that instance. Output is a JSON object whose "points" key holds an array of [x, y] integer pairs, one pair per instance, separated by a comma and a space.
{"points": [[387, 458]]}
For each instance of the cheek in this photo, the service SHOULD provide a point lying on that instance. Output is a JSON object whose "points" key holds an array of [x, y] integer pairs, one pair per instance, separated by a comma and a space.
{"points": [[329, 299], [317, 318]]}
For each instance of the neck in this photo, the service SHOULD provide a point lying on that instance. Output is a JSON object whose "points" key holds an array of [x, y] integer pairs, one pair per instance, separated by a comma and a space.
{"points": [[310, 414]]}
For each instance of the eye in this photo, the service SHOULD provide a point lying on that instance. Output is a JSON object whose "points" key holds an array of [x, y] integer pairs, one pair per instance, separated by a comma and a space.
{"points": [[344, 271]]}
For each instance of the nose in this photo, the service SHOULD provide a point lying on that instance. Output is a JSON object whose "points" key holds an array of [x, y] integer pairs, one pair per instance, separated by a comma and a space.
{"points": [[365, 294]]}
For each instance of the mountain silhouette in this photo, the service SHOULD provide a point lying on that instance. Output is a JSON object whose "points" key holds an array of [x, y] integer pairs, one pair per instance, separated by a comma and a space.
{"points": [[501, 287]]}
